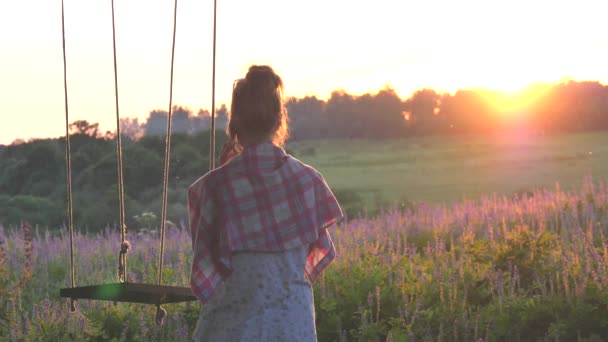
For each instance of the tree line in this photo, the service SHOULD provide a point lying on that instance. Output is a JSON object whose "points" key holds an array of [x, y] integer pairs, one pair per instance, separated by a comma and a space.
{"points": [[545, 109], [33, 181], [551, 108], [33, 178]]}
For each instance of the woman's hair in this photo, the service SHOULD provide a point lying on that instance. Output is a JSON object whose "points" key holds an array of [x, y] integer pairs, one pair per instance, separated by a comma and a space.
{"points": [[257, 108]]}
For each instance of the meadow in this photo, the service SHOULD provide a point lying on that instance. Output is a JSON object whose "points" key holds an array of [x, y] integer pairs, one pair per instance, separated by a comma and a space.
{"points": [[370, 174], [465, 239], [526, 268]]}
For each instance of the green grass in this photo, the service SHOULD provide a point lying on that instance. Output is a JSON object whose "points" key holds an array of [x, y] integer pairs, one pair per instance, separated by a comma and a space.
{"points": [[445, 170]]}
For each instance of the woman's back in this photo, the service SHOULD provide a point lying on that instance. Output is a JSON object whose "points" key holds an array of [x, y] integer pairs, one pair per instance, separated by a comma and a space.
{"points": [[259, 226], [266, 298]]}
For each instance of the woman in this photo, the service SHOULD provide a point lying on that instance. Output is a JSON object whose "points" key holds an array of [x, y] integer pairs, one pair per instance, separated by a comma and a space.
{"points": [[259, 226]]}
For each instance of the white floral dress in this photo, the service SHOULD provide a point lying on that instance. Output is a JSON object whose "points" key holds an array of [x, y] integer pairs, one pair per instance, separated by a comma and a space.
{"points": [[266, 298]]}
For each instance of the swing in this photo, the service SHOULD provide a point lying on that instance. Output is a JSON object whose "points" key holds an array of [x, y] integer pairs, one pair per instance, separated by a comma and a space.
{"points": [[124, 291]]}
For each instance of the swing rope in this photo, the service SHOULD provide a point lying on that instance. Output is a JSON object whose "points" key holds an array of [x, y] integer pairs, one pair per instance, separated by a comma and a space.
{"points": [[160, 312], [68, 161], [122, 269], [212, 132], [124, 244]]}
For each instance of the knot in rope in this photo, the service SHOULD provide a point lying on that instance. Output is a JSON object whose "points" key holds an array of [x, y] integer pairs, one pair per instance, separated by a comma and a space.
{"points": [[160, 315], [124, 247], [122, 261]]}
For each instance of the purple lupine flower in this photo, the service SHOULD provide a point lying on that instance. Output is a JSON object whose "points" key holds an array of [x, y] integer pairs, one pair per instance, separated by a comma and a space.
{"points": [[377, 304], [500, 283], [516, 279], [143, 327], [181, 327], [599, 261], [125, 331]]}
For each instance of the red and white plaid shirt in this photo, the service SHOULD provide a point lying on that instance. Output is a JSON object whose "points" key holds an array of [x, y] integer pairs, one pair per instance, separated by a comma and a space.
{"points": [[263, 200]]}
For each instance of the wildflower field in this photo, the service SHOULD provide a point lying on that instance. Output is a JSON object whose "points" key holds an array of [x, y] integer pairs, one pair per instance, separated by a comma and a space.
{"points": [[526, 268]]}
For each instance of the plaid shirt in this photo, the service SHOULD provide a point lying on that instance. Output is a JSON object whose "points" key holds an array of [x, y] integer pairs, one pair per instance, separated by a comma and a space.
{"points": [[262, 200]]}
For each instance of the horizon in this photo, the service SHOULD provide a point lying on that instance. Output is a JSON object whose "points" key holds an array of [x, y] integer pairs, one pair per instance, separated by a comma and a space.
{"points": [[315, 47]]}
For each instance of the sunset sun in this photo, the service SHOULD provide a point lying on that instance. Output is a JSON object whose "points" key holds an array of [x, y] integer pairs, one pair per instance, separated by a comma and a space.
{"points": [[515, 102]]}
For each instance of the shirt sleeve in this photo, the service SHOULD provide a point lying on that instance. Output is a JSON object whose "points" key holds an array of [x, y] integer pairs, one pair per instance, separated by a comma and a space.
{"points": [[322, 252], [328, 210], [207, 272]]}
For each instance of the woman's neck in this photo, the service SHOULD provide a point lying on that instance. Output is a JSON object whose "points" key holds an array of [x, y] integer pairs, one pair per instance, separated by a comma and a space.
{"points": [[247, 141]]}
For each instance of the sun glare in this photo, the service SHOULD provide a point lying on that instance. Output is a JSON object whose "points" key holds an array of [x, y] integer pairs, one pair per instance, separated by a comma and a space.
{"points": [[515, 103]]}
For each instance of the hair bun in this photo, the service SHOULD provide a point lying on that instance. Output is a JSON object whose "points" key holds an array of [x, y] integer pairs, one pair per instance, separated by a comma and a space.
{"points": [[257, 111], [262, 74]]}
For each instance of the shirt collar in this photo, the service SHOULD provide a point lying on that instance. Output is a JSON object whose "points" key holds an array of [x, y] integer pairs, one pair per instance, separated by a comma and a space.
{"points": [[265, 156]]}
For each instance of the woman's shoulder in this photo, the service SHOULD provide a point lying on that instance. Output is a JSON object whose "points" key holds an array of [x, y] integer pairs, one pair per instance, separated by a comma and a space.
{"points": [[204, 183], [217, 176], [299, 166]]}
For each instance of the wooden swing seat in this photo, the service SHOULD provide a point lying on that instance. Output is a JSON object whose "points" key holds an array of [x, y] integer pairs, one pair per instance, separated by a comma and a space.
{"points": [[131, 293]]}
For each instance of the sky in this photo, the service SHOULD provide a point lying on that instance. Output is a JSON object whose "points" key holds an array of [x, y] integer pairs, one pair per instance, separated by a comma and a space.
{"points": [[317, 46]]}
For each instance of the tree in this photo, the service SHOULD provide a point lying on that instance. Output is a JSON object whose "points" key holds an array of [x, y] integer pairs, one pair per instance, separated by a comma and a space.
{"points": [[83, 127], [181, 120], [307, 119], [466, 112], [423, 108], [131, 129], [221, 117], [387, 115], [18, 142]]}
